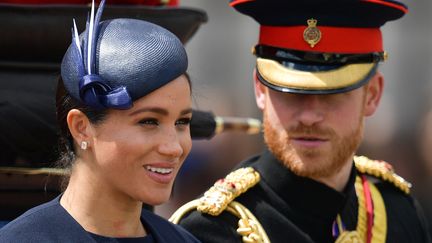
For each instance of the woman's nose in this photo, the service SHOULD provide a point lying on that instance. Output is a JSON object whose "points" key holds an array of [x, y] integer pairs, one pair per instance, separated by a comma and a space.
{"points": [[170, 146]]}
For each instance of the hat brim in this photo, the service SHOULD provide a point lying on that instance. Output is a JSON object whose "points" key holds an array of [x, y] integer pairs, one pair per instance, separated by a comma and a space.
{"points": [[342, 79]]}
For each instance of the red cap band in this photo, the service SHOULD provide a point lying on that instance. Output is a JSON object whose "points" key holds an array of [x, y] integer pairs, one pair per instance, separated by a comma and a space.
{"points": [[333, 39]]}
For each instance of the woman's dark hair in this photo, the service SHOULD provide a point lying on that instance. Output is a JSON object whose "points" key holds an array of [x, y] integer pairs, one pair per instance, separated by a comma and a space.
{"points": [[64, 103]]}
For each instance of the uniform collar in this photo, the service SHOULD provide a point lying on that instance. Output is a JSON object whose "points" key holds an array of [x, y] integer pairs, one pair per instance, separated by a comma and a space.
{"points": [[303, 195]]}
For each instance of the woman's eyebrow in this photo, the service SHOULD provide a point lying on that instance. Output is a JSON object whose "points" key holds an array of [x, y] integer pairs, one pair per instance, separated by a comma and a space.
{"points": [[150, 109], [186, 111], [159, 111]]}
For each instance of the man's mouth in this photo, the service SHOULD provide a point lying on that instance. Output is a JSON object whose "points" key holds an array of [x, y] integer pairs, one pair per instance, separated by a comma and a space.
{"points": [[309, 137], [308, 141]]}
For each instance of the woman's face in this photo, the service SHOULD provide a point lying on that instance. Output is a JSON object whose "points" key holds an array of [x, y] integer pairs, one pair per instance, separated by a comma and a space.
{"points": [[137, 153]]}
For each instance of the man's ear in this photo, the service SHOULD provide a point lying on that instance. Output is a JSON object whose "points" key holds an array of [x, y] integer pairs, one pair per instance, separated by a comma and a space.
{"points": [[374, 92], [79, 126], [260, 92]]}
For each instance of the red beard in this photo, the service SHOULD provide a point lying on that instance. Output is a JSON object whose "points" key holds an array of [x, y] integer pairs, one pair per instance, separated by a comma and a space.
{"points": [[312, 163]]}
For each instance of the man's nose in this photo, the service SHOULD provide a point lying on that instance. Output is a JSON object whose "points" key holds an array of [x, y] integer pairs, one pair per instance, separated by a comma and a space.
{"points": [[311, 110]]}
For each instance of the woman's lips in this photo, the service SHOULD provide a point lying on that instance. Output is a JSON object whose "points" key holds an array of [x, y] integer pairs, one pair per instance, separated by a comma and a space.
{"points": [[160, 173]]}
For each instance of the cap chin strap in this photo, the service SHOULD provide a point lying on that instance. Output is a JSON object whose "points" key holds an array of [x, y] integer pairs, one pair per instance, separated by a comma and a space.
{"points": [[316, 58]]}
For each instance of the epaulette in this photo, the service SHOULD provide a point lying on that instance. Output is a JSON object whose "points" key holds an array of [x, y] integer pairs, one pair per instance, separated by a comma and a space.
{"points": [[224, 191], [220, 197], [382, 170]]}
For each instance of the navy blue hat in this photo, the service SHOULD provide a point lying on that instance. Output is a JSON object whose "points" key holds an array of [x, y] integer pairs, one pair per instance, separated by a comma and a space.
{"points": [[118, 61], [319, 46]]}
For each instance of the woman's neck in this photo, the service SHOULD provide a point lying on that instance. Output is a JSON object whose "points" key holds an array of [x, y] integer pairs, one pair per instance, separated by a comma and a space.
{"points": [[100, 209]]}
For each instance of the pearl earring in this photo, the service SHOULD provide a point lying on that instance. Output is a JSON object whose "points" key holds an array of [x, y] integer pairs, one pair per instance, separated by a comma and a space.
{"points": [[84, 145]]}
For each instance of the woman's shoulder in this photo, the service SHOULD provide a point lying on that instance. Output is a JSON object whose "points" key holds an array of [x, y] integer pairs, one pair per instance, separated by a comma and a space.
{"points": [[34, 220], [43, 223], [34, 215], [165, 231]]}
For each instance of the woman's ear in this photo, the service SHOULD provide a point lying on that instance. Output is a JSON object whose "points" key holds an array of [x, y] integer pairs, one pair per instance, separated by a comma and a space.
{"points": [[79, 127], [374, 91], [260, 92]]}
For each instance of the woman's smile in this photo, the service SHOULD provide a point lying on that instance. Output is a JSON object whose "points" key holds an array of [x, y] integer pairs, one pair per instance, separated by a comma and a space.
{"points": [[162, 173]]}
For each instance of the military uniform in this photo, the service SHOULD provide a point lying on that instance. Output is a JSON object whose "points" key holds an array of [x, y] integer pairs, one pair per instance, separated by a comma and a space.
{"points": [[297, 209], [310, 47]]}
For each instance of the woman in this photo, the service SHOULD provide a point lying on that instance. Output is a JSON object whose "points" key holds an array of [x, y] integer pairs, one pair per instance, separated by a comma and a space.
{"points": [[123, 107]]}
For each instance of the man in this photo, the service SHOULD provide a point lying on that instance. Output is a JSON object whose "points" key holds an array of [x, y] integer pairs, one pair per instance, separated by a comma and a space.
{"points": [[316, 79]]}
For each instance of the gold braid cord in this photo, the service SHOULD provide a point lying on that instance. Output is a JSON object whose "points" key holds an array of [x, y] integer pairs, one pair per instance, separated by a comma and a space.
{"points": [[379, 229], [221, 197], [381, 170]]}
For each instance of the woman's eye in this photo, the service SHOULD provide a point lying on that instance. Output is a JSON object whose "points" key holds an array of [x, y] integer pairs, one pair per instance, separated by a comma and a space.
{"points": [[149, 122], [183, 122]]}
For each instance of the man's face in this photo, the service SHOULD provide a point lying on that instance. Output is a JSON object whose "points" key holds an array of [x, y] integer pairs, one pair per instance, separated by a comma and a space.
{"points": [[314, 135]]}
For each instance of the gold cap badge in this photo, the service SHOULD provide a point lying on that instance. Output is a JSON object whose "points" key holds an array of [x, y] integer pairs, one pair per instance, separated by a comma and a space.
{"points": [[312, 35]]}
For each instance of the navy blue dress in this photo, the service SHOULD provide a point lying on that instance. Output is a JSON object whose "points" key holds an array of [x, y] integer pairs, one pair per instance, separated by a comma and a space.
{"points": [[50, 222]]}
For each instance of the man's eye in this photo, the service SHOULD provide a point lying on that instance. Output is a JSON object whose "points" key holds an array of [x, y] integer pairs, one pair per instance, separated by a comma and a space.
{"points": [[149, 122], [183, 122]]}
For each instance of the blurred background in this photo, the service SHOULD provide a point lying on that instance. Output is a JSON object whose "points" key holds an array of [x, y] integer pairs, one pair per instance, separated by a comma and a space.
{"points": [[221, 66]]}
